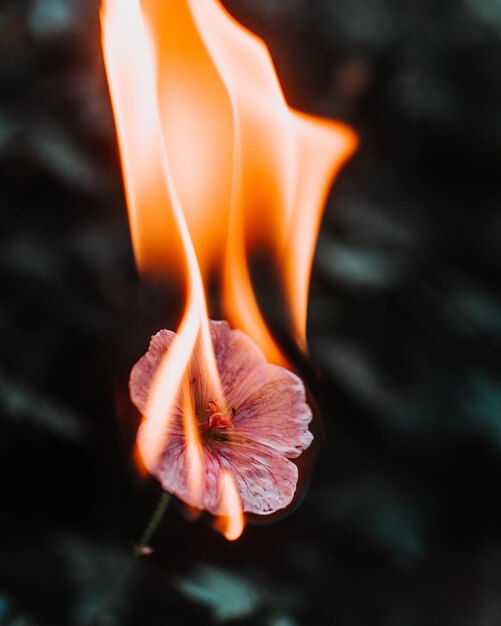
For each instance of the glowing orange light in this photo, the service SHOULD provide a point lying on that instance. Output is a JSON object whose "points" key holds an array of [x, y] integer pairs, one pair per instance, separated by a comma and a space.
{"points": [[194, 454], [231, 520], [215, 163]]}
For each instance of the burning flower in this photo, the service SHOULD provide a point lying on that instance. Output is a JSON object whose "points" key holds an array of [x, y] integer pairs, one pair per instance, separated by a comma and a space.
{"points": [[217, 165], [244, 437]]}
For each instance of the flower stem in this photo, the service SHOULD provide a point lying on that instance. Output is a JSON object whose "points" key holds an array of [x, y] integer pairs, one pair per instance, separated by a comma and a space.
{"points": [[142, 548]]}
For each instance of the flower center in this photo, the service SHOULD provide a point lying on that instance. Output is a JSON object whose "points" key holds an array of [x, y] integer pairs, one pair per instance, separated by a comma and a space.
{"points": [[218, 417]]}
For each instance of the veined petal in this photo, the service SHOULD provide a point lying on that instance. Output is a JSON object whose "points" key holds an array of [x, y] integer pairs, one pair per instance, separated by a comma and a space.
{"points": [[238, 358], [276, 414], [270, 401], [266, 482], [143, 372]]}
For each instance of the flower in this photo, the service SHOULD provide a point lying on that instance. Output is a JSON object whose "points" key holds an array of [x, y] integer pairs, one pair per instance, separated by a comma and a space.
{"points": [[253, 431]]}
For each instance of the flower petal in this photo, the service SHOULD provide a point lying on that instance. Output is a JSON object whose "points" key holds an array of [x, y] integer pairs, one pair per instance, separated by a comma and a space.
{"points": [[276, 415], [270, 424], [143, 372], [266, 482], [270, 401], [237, 358]]}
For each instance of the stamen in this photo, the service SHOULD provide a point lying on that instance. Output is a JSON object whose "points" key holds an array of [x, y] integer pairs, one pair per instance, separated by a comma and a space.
{"points": [[219, 418]]}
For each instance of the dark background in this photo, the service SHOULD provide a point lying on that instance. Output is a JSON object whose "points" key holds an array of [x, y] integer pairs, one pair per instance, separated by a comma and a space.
{"points": [[400, 525]]}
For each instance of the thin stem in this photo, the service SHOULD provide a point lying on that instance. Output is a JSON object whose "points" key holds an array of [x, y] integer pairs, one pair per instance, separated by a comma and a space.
{"points": [[142, 548]]}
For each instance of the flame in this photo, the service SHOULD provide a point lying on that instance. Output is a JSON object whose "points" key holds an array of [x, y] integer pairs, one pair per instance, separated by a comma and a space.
{"points": [[231, 520], [215, 164], [194, 456]]}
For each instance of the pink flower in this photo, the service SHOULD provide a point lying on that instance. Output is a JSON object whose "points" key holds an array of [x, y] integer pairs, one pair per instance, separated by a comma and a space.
{"points": [[253, 431]]}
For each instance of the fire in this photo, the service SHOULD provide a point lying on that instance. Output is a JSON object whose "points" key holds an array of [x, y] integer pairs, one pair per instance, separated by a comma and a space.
{"points": [[231, 522], [215, 164]]}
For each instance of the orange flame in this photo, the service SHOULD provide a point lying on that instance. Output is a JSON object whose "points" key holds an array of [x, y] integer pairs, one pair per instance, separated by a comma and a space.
{"points": [[231, 521], [215, 162]]}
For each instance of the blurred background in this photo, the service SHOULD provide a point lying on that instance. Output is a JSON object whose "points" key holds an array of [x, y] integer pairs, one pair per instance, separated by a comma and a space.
{"points": [[400, 525]]}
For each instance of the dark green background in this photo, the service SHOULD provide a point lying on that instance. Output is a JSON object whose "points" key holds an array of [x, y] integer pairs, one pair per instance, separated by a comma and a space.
{"points": [[400, 525]]}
